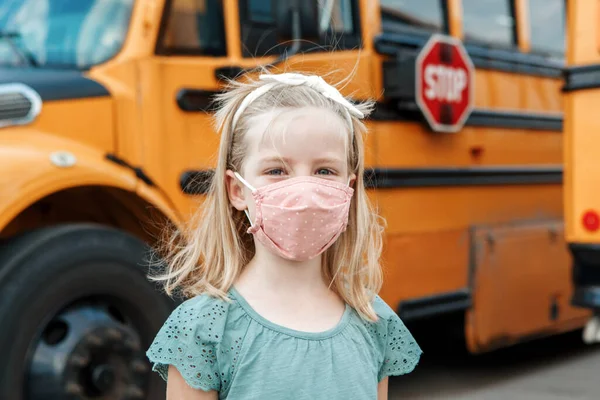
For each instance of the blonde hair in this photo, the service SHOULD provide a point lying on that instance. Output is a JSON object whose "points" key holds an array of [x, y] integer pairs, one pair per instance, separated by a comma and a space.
{"points": [[208, 254]]}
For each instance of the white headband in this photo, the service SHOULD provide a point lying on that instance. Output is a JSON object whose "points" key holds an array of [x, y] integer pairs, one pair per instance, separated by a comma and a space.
{"points": [[292, 79]]}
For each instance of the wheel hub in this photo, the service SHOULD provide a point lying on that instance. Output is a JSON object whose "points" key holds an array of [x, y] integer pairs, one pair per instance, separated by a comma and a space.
{"points": [[87, 353], [103, 377]]}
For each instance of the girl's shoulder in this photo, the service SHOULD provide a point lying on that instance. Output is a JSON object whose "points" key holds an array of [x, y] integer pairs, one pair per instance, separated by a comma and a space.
{"points": [[382, 309], [203, 315], [386, 316], [398, 350], [194, 337]]}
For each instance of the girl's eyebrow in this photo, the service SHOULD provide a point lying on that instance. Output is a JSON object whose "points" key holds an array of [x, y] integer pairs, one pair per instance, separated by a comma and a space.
{"points": [[320, 160], [331, 159], [274, 159]]}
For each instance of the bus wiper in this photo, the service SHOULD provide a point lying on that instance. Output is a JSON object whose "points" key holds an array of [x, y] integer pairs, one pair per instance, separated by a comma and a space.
{"points": [[13, 39]]}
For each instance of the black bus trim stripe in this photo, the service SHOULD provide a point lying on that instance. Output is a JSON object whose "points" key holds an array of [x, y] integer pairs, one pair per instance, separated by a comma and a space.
{"points": [[484, 57], [581, 78], [428, 306], [54, 85], [197, 182], [392, 178], [479, 118]]}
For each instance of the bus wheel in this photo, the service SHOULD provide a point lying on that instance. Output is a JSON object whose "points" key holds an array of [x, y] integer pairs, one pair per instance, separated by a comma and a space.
{"points": [[77, 315]]}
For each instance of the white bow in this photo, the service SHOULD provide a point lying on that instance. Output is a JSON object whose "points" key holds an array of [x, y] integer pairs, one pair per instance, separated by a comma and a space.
{"points": [[317, 83], [292, 79]]}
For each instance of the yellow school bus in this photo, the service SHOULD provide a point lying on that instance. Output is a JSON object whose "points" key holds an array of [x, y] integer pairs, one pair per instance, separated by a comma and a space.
{"points": [[106, 136], [582, 173]]}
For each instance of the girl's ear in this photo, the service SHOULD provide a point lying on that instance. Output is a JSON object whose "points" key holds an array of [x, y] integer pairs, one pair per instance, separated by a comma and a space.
{"points": [[352, 180], [235, 191]]}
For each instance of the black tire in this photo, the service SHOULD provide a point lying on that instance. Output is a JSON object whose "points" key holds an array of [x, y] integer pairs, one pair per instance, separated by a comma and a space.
{"points": [[46, 271]]}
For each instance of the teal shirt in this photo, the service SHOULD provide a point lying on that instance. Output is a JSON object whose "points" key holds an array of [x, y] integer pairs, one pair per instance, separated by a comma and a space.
{"points": [[229, 347]]}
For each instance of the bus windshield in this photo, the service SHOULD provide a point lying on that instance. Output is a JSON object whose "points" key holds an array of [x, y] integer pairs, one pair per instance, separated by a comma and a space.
{"points": [[62, 33]]}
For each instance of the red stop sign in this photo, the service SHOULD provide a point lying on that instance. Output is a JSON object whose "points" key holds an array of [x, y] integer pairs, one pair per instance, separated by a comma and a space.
{"points": [[444, 83]]}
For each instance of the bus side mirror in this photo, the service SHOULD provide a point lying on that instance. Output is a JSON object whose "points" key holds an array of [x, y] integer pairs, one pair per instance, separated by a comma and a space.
{"points": [[297, 19]]}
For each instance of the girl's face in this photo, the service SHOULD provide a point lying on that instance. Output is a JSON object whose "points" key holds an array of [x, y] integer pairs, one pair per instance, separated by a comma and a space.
{"points": [[291, 143]]}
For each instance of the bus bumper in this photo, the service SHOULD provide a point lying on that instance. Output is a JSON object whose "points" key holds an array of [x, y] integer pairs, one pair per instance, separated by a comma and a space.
{"points": [[588, 297], [586, 275]]}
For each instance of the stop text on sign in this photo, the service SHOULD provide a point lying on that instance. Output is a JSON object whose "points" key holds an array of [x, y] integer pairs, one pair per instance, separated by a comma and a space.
{"points": [[445, 83]]}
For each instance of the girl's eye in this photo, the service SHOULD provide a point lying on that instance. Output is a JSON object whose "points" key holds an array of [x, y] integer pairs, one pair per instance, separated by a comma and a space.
{"points": [[275, 171], [325, 171]]}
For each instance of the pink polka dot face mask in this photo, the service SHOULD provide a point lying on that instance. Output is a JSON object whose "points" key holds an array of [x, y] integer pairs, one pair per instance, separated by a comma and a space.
{"points": [[299, 218]]}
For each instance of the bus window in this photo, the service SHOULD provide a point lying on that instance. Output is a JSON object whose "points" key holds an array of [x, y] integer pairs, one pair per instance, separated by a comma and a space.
{"points": [[338, 24], [335, 16], [489, 21], [194, 27], [547, 26], [410, 15], [62, 33]]}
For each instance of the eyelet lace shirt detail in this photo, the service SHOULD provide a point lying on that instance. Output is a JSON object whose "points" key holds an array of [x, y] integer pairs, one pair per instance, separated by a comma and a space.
{"points": [[399, 351], [228, 347], [189, 340]]}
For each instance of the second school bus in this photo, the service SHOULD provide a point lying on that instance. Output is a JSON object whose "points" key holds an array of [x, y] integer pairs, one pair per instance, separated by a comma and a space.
{"points": [[582, 161], [105, 125]]}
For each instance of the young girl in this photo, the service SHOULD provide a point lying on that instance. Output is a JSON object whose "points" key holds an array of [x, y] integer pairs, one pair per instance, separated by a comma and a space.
{"points": [[282, 265]]}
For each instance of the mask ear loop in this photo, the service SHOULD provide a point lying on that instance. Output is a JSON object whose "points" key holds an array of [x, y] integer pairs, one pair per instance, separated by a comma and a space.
{"points": [[248, 216], [249, 186]]}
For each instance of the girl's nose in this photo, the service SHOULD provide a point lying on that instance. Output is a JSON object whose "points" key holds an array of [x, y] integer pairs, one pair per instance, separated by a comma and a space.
{"points": [[302, 171]]}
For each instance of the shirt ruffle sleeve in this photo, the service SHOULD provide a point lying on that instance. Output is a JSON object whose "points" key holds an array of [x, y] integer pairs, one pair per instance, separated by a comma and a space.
{"points": [[189, 340], [399, 352]]}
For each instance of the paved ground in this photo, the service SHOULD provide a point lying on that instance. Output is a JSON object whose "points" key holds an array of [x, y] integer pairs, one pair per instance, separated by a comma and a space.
{"points": [[551, 369]]}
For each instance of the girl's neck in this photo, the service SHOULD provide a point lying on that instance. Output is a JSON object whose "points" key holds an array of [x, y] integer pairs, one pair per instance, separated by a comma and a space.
{"points": [[268, 272]]}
